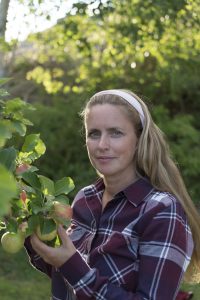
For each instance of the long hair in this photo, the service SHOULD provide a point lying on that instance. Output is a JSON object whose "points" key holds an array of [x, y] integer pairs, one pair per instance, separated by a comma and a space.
{"points": [[153, 159]]}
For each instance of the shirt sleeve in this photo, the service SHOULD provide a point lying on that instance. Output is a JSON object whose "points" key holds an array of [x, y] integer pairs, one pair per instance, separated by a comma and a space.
{"points": [[36, 260], [164, 252]]}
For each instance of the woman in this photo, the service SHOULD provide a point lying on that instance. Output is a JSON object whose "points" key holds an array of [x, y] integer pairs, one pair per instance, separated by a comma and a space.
{"points": [[135, 231]]}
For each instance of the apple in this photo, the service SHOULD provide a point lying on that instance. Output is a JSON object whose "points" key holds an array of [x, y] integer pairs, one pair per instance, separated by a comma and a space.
{"points": [[12, 242], [46, 236], [22, 168], [23, 196], [61, 210], [23, 226]]}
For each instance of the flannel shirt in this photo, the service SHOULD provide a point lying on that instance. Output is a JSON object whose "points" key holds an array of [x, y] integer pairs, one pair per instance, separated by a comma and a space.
{"points": [[138, 247]]}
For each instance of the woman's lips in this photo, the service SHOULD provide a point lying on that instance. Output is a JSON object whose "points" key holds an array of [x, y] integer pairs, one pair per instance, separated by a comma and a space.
{"points": [[104, 158]]}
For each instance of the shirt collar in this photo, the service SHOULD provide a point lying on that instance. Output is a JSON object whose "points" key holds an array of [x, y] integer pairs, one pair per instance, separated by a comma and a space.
{"points": [[135, 192], [138, 191]]}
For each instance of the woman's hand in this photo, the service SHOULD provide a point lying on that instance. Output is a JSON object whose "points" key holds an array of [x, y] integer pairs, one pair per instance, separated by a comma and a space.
{"points": [[54, 256]]}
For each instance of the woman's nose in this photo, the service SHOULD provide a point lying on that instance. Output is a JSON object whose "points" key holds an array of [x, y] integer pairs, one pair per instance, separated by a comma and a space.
{"points": [[103, 142]]}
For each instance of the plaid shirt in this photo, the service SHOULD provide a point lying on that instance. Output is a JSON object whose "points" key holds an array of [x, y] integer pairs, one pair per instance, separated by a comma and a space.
{"points": [[138, 248]]}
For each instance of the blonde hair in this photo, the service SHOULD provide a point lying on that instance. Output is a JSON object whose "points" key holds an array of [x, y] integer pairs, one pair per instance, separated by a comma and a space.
{"points": [[153, 159]]}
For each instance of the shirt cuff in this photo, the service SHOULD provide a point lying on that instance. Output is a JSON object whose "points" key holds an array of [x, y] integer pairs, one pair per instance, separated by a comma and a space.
{"points": [[75, 268], [28, 246]]}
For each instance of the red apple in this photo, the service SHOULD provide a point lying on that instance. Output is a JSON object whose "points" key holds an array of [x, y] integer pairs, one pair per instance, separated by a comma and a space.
{"points": [[22, 168], [62, 210]]}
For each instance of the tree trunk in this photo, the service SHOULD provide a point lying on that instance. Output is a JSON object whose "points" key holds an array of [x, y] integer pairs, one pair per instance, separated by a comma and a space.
{"points": [[4, 5]]}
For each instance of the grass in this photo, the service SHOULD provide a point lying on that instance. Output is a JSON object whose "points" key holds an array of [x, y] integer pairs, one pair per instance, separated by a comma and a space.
{"points": [[18, 280], [195, 288]]}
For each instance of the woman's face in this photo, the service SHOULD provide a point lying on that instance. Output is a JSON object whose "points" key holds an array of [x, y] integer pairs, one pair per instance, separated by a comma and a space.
{"points": [[111, 141]]}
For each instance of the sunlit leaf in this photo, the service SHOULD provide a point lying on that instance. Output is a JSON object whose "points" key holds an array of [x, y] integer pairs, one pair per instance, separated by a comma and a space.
{"points": [[8, 189], [64, 186], [47, 186]]}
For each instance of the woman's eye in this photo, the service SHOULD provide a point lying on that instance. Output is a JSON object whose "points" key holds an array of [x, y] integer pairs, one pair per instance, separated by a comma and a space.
{"points": [[116, 133], [94, 134]]}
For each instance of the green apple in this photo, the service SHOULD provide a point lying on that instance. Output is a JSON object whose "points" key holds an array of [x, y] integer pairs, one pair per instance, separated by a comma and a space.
{"points": [[12, 242], [46, 236]]}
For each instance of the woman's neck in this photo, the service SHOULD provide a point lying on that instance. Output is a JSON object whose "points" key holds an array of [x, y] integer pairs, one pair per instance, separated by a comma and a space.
{"points": [[115, 185]]}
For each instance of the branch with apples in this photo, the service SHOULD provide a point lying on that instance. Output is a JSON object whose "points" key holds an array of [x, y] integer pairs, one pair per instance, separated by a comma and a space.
{"points": [[29, 202]]}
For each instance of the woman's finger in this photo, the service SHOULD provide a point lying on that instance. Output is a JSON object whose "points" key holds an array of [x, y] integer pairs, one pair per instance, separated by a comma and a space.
{"points": [[63, 236], [38, 245]]}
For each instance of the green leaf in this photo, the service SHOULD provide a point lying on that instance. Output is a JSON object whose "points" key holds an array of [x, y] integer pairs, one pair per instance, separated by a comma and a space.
{"points": [[32, 179], [7, 158], [2, 225], [2, 142], [36, 203], [33, 222], [64, 186], [47, 225], [8, 189], [12, 225], [33, 146], [30, 142], [17, 208], [36, 209], [47, 186], [26, 122], [19, 127], [5, 130], [3, 93], [4, 80], [63, 199], [14, 105]]}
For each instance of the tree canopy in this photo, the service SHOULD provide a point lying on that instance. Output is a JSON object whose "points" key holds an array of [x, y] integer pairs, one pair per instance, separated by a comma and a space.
{"points": [[150, 47]]}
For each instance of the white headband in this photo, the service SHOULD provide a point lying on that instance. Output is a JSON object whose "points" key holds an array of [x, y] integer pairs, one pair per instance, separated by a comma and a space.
{"points": [[129, 98]]}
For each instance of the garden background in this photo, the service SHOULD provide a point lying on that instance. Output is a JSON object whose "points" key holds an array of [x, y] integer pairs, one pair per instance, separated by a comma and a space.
{"points": [[151, 47]]}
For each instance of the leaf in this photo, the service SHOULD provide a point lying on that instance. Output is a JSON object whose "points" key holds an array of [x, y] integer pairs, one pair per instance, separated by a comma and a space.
{"points": [[2, 225], [5, 130], [12, 225], [36, 203], [47, 186], [63, 199], [7, 158], [33, 222], [14, 105], [19, 127], [32, 179], [26, 122], [30, 142], [3, 93], [33, 146], [64, 186], [4, 80], [47, 225], [36, 209], [8, 189]]}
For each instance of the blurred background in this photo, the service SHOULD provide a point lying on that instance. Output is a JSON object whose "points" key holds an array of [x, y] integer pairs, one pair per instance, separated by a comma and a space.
{"points": [[59, 53]]}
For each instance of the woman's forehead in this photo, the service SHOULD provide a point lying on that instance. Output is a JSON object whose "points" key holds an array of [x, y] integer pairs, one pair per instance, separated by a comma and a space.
{"points": [[107, 115]]}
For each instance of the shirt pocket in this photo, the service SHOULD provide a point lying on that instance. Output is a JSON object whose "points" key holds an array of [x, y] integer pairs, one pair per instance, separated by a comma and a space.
{"points": [[121, 245]]}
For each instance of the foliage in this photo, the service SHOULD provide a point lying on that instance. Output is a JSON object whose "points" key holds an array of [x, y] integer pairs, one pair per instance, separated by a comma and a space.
{"points": [[27, 198], [61, 130], [150, 47]]}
